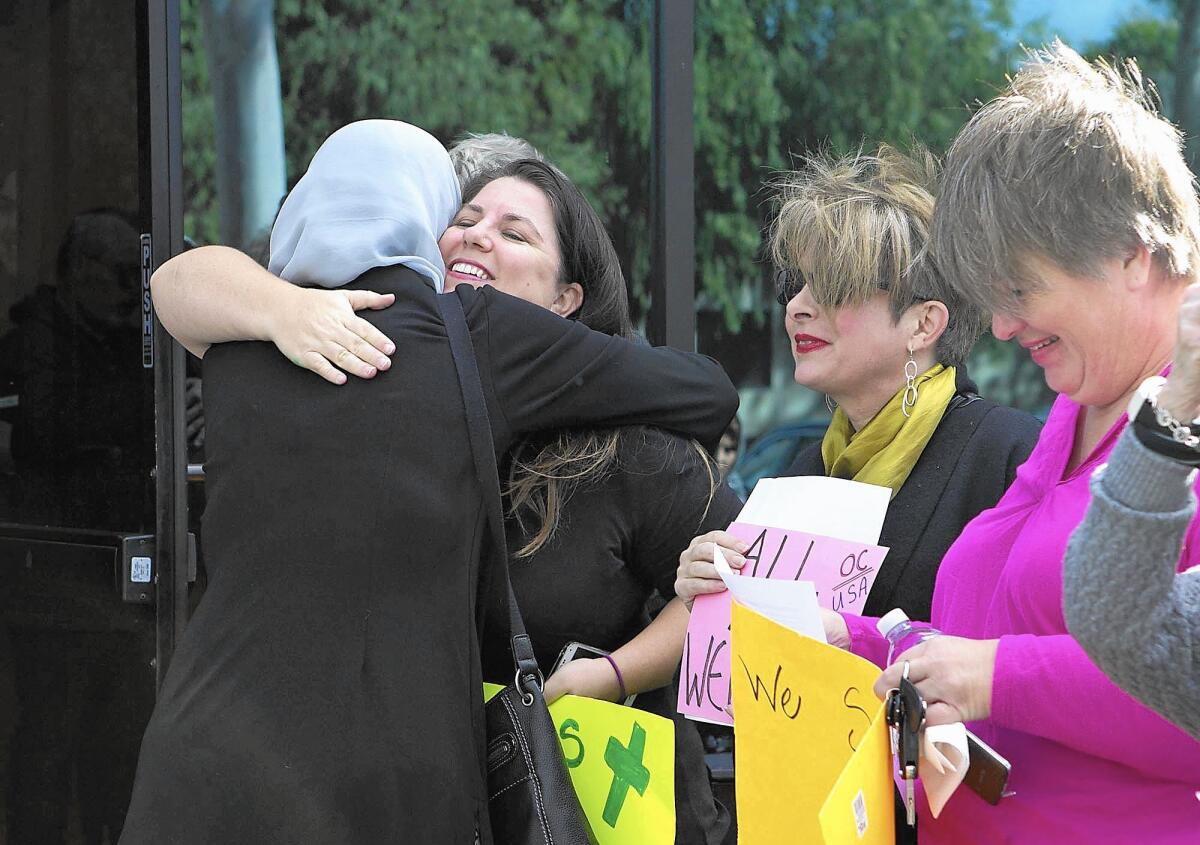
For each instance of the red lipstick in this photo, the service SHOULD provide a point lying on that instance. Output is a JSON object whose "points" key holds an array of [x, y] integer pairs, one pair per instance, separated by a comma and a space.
{"points": [[805, 343]]}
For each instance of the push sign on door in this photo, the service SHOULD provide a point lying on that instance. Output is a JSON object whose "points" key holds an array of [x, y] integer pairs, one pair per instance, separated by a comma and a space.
{"points": [[139, 570]]}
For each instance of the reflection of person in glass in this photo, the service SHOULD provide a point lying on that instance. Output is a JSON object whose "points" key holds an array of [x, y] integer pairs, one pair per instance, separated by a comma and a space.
{"points": [[81, 449], [80, 442], [727, 456], [328, 688]]}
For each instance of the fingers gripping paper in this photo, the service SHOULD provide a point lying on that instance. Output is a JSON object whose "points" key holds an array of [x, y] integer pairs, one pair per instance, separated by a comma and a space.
{"points": [[841, 572], [814, 529], [809, 727]]}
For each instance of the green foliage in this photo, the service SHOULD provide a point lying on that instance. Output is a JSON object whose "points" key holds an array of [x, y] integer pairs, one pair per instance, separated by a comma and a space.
{"points": [[566, 77], [772, 77], [887, 69], [201, 217], [776, 78]]}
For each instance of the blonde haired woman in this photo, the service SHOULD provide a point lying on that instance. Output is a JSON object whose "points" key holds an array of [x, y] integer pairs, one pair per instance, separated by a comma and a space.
{"points": [[873, 325]]}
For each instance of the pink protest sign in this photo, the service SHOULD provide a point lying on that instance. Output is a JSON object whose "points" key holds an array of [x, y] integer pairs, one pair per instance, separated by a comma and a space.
{"points": [[842, 571], [704, 687]]}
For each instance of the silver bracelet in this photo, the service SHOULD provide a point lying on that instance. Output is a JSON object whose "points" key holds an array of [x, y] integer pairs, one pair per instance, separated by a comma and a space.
{"points": [[1179, 432]]}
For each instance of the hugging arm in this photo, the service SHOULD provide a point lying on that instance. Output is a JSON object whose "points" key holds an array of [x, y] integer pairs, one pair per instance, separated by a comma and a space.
{"points": [[215, 294], [542, 372]]}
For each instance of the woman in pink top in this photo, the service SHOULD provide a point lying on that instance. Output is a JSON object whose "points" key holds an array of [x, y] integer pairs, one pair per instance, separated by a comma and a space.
{"points": [[1067, 209]]}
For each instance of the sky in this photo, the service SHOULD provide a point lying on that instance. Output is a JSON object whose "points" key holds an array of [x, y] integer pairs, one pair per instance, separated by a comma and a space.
{"points": [[1080, 22]]}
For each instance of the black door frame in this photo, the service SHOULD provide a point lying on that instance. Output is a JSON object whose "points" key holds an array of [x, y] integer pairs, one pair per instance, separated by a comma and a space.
{"points": [[672, 318], [164, 81]]}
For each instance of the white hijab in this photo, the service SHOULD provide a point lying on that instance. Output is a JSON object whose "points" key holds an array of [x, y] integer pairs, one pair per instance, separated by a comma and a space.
{"points": [[377, 193]]}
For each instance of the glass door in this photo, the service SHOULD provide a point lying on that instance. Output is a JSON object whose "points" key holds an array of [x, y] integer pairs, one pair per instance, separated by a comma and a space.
{"points": [[84, 217]]}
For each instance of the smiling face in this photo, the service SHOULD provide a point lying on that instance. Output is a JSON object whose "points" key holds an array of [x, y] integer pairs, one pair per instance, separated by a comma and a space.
{"points": [[1094, 338], [855, 353], [505, 236]]}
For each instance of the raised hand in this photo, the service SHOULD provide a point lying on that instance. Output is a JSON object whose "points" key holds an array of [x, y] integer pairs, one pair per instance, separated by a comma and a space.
{"points": [[1180, 396]]}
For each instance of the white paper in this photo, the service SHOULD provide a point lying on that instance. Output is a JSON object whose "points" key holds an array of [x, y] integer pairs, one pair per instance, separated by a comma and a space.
{"points": [[944, 760], [793, 604], [831, 507]]}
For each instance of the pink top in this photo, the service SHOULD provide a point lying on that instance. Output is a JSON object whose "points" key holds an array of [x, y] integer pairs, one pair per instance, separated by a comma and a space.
{"points": [[1089, 764]]}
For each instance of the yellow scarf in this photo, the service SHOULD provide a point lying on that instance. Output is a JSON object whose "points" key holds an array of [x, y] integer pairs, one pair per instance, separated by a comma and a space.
{"points": [[888, 447]]}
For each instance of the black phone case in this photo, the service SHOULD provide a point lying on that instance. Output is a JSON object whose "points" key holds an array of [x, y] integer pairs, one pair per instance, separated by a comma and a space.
{"points": [[987, 771]]}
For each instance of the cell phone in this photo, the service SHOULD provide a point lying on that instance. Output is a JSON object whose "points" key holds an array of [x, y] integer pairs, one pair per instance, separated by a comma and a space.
{"points": [[987, 771], [579, 651]]}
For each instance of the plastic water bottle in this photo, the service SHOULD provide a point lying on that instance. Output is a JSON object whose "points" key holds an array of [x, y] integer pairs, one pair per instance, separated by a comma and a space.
{"points": [[902, 633]]}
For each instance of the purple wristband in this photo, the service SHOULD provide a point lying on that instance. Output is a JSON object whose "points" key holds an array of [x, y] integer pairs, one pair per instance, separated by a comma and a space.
{"points": [[620, 679]]}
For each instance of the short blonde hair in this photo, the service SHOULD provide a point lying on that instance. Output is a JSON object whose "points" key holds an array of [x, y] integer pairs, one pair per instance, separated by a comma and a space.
{"points": [[1072, 163], [858, 224]]}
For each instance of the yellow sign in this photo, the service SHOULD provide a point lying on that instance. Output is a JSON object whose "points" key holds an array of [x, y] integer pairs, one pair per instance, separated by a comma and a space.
{"points": [[813, 755], [860, 807], [622, 764]]}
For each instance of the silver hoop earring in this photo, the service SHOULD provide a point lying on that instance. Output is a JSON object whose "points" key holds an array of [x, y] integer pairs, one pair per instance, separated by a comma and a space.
{"points": [[910, 387], [830, 404]]}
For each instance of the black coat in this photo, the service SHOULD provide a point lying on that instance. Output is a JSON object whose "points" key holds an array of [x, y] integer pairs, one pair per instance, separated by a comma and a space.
{"points": [[965, 468], [327, 689]]}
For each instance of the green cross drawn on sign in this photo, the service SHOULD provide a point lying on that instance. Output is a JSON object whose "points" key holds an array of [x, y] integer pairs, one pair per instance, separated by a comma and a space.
{"points": [[627, 769]]}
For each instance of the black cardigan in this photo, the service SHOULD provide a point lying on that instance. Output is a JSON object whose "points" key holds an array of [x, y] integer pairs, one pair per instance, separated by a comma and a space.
{"points": [[966, 466]]}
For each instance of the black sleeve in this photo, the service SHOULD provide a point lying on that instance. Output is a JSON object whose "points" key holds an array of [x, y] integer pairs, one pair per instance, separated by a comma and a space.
{"points": [[668, 489], [1017, 430], [544, 372]]}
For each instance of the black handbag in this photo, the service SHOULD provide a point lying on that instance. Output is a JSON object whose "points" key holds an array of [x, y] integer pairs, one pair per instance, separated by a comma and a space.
{"points": [[531, 800]]}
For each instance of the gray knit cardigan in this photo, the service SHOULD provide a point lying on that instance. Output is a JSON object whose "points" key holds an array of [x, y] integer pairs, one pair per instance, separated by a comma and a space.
{"points": [[1122, 599]]}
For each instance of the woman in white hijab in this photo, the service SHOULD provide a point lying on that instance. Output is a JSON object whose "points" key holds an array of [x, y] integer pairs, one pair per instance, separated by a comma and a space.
{"points": [[361, 206]]}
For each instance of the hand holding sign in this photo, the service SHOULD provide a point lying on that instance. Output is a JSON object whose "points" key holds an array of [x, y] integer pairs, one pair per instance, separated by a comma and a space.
{"points": [[697, 576], [841, 569], [840, 573]]}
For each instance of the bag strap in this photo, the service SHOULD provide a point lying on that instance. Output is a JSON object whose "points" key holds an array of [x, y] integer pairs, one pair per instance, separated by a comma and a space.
{"points": [[483, 450]]}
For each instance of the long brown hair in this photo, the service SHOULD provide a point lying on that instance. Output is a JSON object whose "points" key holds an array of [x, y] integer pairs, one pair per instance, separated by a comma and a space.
{"points": [[547, 468]]}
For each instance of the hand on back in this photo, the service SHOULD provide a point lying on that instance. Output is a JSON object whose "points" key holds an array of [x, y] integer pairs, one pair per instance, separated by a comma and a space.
{"points": [[317, 329]]}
